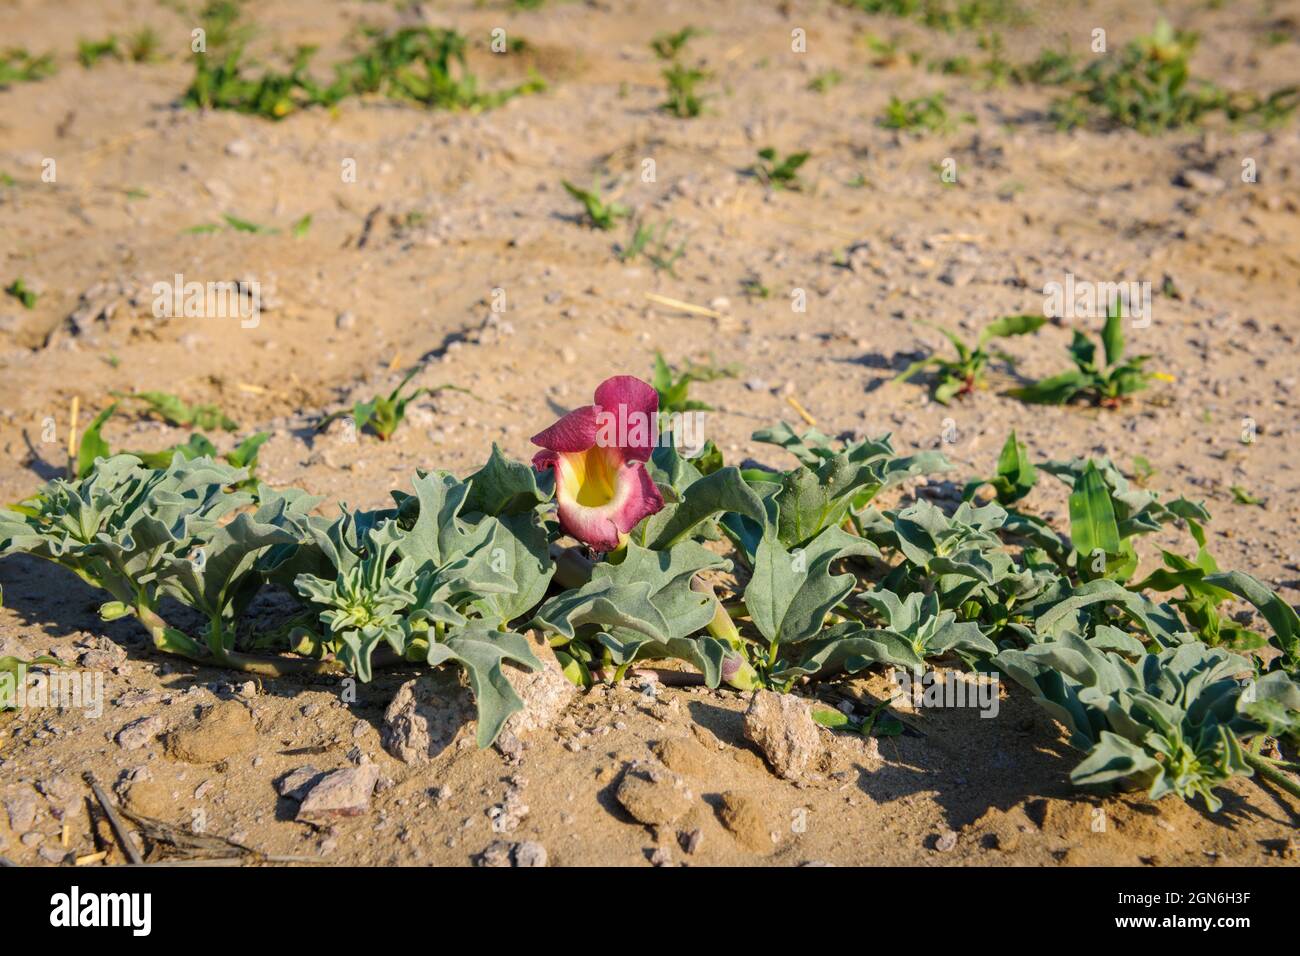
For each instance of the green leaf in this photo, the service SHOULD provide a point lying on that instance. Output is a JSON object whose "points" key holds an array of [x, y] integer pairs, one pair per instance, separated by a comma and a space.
{"points": [[482, 650], [1092, 518], [791, 592], [93, 445], [1011, 325], [703, 499], [1112, 333], [1055, 390], [1280, 615], [505, 486]]}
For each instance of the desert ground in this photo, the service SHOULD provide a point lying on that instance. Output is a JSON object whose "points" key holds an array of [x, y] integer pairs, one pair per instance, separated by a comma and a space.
{"points": [[457, 252]]}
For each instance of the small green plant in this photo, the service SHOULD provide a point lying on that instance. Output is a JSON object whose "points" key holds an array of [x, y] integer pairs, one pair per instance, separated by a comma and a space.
{"points": [[1015, 478], [777, 172], [1243, 497], [960, 377], [673, 384], [415, 64], [825, 81], [19, 66], [144, 46], [600, 214], [1108, 383], [382, 414], [683, 99], [752, 287], [93, 446], [174, 411], [1148, 86], [301, 226], [928, 113], [668, 46], [947, 15], [19, 290], [653, 243], [90, 52]]}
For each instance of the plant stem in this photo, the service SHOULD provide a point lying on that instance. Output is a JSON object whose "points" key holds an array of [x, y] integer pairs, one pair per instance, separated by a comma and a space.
{"points": [[1270, 771]]}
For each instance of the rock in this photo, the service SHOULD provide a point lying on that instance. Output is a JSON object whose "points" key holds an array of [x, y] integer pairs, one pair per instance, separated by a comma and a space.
{"points": [[140, 733], [691, 841], [1200, 182], [946, 842], [781, 725], [652, 797], [545, 693], [744, 817], [496, 854], [11, 646], [106, 656], [296, 783], [239, 148], [661, 857], [22, 808], [529, 853], [32, 839], [221, 731], [63, 793], [341, 793], [685, 756], [345, 321], [425, 717], [510, 747]]}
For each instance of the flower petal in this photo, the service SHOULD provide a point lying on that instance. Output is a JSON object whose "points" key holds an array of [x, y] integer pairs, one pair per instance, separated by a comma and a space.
{"points": [[603, 526], [634, 403], [576, 431]]}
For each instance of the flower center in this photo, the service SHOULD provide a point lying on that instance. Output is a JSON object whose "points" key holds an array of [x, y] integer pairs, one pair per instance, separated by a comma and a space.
{"points": [[591, 477]]}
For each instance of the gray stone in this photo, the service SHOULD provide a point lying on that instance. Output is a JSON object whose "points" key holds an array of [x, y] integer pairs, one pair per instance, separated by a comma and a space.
{"points": [[340, 793], [530, 853], [545, 693], [296, 783], [781, 726], [22, 808], [140, 733], [424, 718]]}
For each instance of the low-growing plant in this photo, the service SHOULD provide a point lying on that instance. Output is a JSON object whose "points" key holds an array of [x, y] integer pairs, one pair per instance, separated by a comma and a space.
{"points": [[947, 15], [615, 550], [414, 64], [1148, 86], [175, 411], [960, 377], [1015, 477], [1107, 383], [684, 101], [144, 46], [825, 81], [600, 214], [93, 446], [19, 66], [923, 113], [383, 413], [20, 291], [653, 243], [779, 172], [90, 52], [672, 385], [669, 46]]}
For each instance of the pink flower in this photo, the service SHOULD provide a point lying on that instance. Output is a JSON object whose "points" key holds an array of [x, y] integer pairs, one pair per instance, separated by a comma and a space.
{"points": [[599, 453]]}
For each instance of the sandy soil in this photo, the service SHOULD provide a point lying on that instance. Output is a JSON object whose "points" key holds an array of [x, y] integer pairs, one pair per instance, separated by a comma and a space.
{"points": [[135, 170]]}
